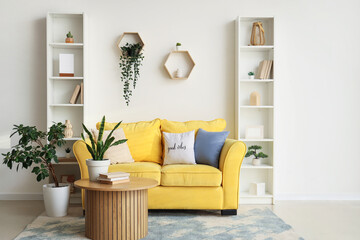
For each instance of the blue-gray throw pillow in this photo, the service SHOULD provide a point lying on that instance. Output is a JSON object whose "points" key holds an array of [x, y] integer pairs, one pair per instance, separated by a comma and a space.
{"points": [[208, 146]]}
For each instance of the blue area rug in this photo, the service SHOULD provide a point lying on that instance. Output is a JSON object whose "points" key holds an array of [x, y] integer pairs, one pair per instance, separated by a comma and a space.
{"points": [[251, 223]]}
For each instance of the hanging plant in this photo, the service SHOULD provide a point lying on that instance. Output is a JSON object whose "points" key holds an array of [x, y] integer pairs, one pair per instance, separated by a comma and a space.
{"points": [[130, 61]]}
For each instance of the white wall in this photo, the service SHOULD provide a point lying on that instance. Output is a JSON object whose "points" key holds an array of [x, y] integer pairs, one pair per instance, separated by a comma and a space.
{"points": [[317, 121]]}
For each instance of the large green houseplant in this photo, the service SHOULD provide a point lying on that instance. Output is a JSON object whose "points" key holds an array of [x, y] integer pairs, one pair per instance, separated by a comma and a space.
{"points": [[37, 149], [97, 149]]}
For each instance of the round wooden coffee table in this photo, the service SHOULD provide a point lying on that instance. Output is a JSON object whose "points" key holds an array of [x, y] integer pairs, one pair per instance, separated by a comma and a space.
{"points": [[117, 211]]}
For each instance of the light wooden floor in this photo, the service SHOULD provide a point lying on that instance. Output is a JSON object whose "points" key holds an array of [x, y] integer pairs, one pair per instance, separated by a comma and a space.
{"points": [[314, 220]]}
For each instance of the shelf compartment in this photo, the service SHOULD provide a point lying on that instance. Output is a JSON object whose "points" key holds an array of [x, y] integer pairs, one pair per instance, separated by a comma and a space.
{"points": [[66, 105], [78, 61], [66, 45], [246, 24], [254, 117], [60, 113], [66, 78], [265, 90], [179, 60], [59, 24], [62, 92]]}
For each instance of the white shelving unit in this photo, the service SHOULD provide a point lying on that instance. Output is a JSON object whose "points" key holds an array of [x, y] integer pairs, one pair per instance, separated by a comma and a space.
{"points": [[60, 89], [248, 59]]}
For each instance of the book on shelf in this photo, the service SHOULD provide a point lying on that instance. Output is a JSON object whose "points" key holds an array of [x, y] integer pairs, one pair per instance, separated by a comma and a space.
{"points": [[114, 175], [264, 69], [82, 93], [75, 94]]}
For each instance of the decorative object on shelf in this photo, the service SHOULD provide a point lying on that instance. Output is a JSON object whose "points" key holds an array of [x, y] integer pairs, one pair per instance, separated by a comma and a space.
{"points": [[130, 60], [254, 132], [68, 132], [98, 164], [69, 179], [255, 99], [257, 34], [38, 149], [69, 38], [257, 189], [252, 151], [67, 151], [251, 75], [178, 46], [178, 73], [173, 70], [66, 65]]}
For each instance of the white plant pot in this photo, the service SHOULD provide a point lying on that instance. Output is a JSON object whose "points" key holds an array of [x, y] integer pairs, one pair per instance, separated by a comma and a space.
{"points": [[256, 162], [97, 167], [56, 199], [178, 48], [67, 155], [251, 77]]}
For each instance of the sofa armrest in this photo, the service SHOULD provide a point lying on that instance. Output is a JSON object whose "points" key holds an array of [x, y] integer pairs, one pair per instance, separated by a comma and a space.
{"points": [[231, 158], [81, 154]]}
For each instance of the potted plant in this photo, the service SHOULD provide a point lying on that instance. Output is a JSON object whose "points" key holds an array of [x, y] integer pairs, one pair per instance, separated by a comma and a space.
{"points": [[130, 61], [252, 151], [37, 149], [98, 165], [178, 46], [67, 150], [69, 38], [251, 75]]}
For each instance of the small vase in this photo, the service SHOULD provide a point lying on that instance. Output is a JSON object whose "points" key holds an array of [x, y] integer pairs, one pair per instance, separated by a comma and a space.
{"points": [[251, 76], [69, 40], [68, 132], [178, 73], [256, 162], [67, 155]]}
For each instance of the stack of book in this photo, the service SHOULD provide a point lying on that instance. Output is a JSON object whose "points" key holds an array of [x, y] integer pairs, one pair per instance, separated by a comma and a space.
{"points": [[114, 178], [78, 91], [264, 70]]}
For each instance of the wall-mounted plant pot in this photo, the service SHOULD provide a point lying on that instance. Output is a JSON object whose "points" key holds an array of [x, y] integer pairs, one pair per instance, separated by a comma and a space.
{"points": [[130, 37]]}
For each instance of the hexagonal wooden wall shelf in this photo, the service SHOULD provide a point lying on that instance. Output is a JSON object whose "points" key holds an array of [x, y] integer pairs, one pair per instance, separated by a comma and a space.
{"points": [[181, 60], [130, 37]]}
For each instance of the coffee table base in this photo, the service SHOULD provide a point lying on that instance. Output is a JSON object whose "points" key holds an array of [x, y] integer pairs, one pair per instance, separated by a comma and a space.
{"points": [[116, 215]]}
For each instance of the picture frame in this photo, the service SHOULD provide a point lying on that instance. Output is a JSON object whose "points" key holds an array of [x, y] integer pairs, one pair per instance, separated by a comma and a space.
{"points": [[254, 132], [69, 179]]}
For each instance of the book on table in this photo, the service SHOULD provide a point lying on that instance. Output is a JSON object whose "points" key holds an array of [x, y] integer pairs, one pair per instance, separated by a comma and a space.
{"points": [[114, 175]]}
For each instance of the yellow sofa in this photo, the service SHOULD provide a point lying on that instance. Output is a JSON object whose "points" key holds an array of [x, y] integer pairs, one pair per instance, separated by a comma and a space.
{"points": [[180, 186]]}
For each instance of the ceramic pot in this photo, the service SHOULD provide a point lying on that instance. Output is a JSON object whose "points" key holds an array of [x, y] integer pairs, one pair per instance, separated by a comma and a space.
{"points": [[256, 162], [56, 199], [69, 40], [97, 167], [67, 155], [251, 77], [178, 48]]}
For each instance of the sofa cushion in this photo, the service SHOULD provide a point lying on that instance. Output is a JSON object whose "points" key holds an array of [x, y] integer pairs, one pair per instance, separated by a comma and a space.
{"points": [[190, 175], [139, 169], [144, 139], [179, 148]]}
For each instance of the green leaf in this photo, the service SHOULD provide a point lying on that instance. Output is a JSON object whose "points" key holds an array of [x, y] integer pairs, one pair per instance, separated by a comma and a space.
{"points": [[101, 129], [119, 142]]}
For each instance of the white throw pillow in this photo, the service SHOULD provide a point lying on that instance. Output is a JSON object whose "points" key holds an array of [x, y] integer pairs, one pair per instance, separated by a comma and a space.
{"points": [[116, 154], [179, 148]]}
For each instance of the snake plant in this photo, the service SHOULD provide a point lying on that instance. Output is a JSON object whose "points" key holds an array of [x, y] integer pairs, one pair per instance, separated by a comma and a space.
{"points": [[98, 146]]}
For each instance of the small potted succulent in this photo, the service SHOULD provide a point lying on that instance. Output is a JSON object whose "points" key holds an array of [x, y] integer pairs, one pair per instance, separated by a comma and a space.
{"points": [[98, 165], [37, 149], [251, 75], [69, 38], [178, 46], [252, 151], [67, 150]]}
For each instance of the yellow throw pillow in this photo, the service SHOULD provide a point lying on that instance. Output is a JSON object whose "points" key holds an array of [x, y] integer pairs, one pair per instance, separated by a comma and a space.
{"points": [[144, 139], [216, 125], [119, 153]]}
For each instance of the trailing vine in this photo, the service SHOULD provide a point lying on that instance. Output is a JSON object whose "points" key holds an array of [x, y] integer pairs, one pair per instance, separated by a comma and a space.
{"points": [[130, 62]]}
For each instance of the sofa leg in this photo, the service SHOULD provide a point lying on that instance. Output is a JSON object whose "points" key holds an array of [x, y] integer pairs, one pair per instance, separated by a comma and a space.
{"points": [[228, 212], [83, 212]]}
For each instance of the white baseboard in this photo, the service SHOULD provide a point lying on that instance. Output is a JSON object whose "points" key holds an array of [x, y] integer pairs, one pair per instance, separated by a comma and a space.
{"points": [[21, 196], [319, 197]]}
